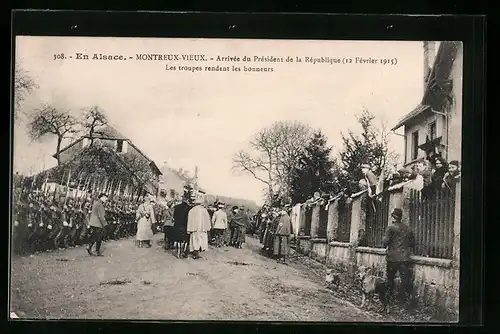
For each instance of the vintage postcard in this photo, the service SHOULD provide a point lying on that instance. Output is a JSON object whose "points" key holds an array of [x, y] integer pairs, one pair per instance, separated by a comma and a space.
{"points": [[236, 179]]}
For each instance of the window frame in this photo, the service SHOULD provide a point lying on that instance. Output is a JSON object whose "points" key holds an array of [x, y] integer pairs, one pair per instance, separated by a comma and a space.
{"points": [[414, 144], [432, 125], [119, 146]]}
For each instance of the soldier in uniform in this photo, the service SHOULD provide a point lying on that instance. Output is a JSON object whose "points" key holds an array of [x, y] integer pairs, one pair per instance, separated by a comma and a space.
{"points": [[65, 221], [113, 220], [20, 225], [271, 228], [72, 222], [130, 219], [79, 225], [34, 212], [118, 218], [44, 228], [58, 213], [134, 207]]}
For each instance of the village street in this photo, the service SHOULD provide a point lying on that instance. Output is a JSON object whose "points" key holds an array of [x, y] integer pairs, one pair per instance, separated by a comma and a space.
{"points": [[226, 284]]}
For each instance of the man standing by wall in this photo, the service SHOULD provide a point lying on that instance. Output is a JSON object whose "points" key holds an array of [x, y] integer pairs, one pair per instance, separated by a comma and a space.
{"points": [[399, 241], [97, 223], [282, 235], [370, 179]]}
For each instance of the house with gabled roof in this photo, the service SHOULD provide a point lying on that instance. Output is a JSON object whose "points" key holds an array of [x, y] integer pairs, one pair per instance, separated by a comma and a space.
{"points": [[434, 126], [173, 181], [118, 143]]}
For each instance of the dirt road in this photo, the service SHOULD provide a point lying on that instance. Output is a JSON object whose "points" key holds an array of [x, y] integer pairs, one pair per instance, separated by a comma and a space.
{"points": [[133, 283]]}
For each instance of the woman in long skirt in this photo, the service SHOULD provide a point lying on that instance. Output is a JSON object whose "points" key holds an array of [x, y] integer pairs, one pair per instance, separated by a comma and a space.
{"points": [[145, 220]]}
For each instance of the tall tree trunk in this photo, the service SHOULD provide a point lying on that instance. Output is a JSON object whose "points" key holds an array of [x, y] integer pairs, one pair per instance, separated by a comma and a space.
{"points": [[58, 150]]}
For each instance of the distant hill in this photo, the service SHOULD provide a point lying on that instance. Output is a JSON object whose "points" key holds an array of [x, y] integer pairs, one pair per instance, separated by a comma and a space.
{"points": [[230, 201]]}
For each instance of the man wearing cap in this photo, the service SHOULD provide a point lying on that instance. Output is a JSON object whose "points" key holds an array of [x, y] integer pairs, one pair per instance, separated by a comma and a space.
{"points": [[282, 235], [198, 225], [451, 177], [168, 225], [399, 241], [219, 224], [97, 224]]}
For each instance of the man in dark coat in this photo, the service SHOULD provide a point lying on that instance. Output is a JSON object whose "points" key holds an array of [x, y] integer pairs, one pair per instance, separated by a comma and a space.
{"points": [[451, 177], [399, 241], [97, 224], [237, 223], [281, 237], [180, 235]]}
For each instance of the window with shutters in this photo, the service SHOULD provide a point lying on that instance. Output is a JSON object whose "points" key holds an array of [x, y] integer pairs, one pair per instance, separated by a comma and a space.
{"points": [[432, 130], [406, 149], [119, 146]]}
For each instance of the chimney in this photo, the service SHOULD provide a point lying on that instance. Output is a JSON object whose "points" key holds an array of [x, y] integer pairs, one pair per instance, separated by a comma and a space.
{"points": [[429, 57], [196, 172]]}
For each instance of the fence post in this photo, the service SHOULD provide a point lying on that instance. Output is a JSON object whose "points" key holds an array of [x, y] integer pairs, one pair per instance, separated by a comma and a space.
{"points": [[333, 221], [405, 205], [396, 200], [358, 220], [302, 218], [456, 245], [315, 221]]}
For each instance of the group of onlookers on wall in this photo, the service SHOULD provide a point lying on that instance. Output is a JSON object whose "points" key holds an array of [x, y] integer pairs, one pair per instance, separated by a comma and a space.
{"points": [[426, 175], [429, 175]]}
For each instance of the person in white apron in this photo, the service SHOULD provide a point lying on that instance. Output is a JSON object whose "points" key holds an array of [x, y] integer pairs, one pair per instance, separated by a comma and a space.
{"points": [[145, 219]]}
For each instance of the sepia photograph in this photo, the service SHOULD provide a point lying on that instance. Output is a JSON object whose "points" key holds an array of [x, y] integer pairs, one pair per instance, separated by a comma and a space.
{"points": [[184, 179]]}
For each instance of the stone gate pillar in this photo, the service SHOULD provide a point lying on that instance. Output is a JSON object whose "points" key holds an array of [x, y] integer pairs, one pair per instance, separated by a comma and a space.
{"points": [[333, 221], [358, 221], [315, 221]]}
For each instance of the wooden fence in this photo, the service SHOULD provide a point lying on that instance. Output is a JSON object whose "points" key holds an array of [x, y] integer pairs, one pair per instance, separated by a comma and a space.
{"points": [[323, 222], [344, 222], [432, 220], [377, 218]]}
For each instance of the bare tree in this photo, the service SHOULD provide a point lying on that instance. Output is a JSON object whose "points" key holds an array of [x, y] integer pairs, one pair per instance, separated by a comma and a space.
{"points": [[23, 85], [274, 152], [93, 119], [50, 121]]}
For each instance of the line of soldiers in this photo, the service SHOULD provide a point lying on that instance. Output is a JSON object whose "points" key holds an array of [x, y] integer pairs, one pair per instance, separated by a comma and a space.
{"points": [[44, 221]]}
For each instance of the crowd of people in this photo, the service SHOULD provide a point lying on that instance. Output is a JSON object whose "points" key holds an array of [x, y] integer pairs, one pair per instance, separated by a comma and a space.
{"points": [[275, 231], [190, 226]]}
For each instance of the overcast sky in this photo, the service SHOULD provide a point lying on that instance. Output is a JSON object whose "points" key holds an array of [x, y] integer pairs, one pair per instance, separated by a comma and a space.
{"points": [[201, 119]]}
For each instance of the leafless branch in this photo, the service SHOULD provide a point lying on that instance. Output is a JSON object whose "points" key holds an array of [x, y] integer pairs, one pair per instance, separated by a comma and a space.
{"points": [[23, 85]]}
